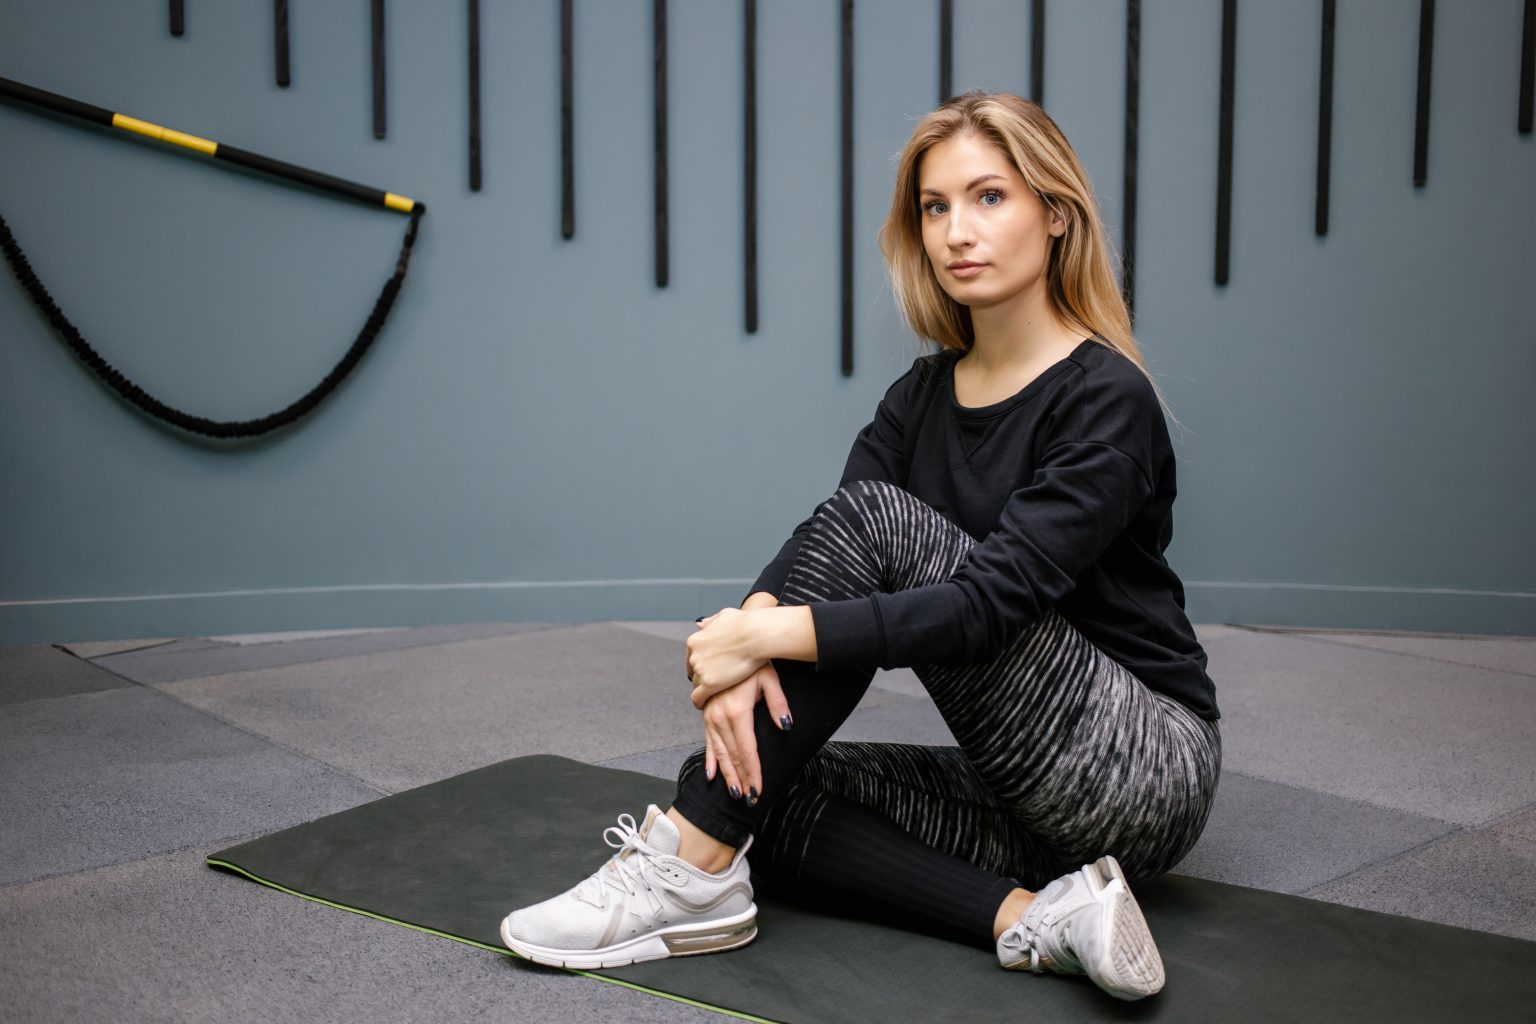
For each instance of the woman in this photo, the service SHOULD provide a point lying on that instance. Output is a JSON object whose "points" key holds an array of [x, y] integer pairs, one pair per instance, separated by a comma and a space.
{"points": [[1056, 646]]}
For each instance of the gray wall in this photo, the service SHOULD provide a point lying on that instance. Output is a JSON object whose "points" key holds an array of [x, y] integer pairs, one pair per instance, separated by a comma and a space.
{"points": [[543, 434]]}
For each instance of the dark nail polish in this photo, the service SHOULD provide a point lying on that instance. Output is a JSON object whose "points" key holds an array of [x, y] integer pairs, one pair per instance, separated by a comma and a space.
{"points": [[735, 793], [699, 619], [752, 796], [787, 722]]}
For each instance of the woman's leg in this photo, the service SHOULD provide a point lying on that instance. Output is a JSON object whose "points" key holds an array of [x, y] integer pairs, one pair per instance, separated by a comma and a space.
{"points": [[1083, 755]]}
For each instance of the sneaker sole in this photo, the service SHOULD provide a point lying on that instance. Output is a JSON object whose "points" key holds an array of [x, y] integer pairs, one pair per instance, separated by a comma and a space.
{"points": [[690, 940], [1131, 968]]}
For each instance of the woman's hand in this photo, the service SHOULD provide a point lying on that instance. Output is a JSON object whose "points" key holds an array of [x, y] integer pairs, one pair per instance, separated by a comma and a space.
{"points": [[730, 742], [720, 654]]}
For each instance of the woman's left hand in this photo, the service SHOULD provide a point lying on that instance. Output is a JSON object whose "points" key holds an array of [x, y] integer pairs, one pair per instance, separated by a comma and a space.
{"points": [[719, 654]]}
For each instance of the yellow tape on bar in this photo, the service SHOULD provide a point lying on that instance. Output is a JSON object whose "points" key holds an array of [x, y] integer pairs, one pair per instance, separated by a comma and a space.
{"points": [[171, 135], [400, 203]]}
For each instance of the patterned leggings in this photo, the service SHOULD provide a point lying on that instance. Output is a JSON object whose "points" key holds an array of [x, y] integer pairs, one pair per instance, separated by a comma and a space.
{"points": [[1063, 755]]}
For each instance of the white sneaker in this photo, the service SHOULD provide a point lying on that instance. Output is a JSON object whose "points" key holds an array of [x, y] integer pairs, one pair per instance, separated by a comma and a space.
{"points": [[1087, 923], [645, 903]]}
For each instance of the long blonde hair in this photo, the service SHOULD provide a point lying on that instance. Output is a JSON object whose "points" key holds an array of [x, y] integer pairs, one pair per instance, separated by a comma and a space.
{"points": [[1080, 282]]}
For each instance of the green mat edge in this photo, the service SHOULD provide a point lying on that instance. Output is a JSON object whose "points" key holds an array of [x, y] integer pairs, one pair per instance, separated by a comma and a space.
{"points": [[236, 869]]}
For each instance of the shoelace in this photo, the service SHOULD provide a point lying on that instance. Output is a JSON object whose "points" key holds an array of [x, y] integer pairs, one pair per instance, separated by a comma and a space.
{"points": [[622, 874], [1020, 939]]}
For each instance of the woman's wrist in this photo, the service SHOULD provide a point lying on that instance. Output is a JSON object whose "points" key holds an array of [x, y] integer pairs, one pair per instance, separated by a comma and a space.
{"points": [[786, 631]]}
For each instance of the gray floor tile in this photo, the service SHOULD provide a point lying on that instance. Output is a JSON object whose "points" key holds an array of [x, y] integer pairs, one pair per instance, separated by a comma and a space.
{"points": [[33, 673], [102, 648], [251, 639], [414, 716], [1205, 632], [204, 658], [1267, 835], [916, 721], [1437, 740], [100, 778], [1502, 653], [1521, 824], [661, 763], [1477, 879], [168, 939]]}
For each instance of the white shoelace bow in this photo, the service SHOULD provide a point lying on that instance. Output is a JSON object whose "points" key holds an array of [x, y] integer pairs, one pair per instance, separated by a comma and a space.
{"points": [[626, 875], [1019, 938]]}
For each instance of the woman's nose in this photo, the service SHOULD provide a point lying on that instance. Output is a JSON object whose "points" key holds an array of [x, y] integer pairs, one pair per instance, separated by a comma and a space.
{"points": [[959, 230]]}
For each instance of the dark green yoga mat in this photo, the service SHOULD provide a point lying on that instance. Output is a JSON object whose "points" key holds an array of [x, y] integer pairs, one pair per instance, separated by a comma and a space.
{"points": [[454, 857]]}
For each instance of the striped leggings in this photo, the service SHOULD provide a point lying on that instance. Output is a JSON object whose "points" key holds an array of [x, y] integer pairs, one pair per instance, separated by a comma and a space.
{"points": [[1063, 755]]}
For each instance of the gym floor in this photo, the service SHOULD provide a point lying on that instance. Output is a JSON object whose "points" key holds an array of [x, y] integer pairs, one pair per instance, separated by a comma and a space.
{"points": [[1391, 771]]}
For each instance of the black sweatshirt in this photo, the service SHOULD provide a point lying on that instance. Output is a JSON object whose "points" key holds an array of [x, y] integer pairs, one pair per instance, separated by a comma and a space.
{"points": [[1068, 487]]}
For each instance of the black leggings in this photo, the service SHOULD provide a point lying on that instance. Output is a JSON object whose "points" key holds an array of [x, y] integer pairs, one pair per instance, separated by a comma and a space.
{"points": [[1063, 755]]}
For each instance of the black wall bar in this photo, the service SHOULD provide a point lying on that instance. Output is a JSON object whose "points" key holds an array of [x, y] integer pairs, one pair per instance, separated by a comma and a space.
{"points": [[1224, 144], [218, 150], [178, 17], [567, 147], [1325, 119], [946, 49], [280, 17], [1132, 129], [749, 158], [660, 24], [1421, 103], [1527, 66], [847, 186], [474, 95], [378, 69], [1037, 51]]}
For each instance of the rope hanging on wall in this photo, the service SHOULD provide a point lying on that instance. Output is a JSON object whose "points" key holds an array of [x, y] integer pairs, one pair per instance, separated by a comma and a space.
{"points": [[376, 24], [122, 385], [659, 22], [474, 95], [280, 40], [846, 213], [1037, 51], [1325, 120], [1132, 136], [1224, 139], [567, 148], [749, 159]]}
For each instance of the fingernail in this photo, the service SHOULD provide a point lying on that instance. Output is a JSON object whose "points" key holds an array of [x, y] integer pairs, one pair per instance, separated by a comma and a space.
{"points": [[752, 796], [735, 793], [787, 722], [709, 773], [699, 619]]}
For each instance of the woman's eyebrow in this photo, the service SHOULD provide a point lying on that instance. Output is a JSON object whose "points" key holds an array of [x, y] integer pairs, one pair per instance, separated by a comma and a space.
{"points": [[973, 184]]}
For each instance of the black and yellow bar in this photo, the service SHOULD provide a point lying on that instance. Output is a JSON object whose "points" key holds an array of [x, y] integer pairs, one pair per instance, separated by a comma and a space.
{"points": [[244, 158]]}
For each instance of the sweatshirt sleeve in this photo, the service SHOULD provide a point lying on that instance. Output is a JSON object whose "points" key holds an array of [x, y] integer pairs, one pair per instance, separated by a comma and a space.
{"points": [[1084, 491], [878, 453]]}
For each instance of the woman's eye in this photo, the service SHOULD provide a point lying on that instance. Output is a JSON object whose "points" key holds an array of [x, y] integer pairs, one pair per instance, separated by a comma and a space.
{"points": [[992, 192], [929, 208]]}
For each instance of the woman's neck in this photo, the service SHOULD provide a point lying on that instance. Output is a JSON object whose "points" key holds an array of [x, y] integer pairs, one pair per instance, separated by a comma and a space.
{"points": [[1023, 332]]}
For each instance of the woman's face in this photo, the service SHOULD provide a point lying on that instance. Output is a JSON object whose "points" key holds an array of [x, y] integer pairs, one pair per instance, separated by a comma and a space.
{"points": [[977, 209]]}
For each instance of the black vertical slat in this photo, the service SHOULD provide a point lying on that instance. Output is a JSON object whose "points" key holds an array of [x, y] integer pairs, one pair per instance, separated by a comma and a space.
{"points": [[1037, 51], [1527, 66], [178, 17], [474, 95], [1421, 101], [749, 159], [567, 142], [946, 49], [280, 30], [1224, 145], [1132, 130], [847, 189], [1325, 119], [660, 26], [378, 68]]}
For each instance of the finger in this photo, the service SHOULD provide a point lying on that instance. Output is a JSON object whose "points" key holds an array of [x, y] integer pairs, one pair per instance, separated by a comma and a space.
{"points": [[709, 756], [773, 696], [748, 768], [699, 697], [727, 762]]}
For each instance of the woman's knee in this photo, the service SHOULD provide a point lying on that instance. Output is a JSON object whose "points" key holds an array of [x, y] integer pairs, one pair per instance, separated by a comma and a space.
{"points": [[694, 762]]}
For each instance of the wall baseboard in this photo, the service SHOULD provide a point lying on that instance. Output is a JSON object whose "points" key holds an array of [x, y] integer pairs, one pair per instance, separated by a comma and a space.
{"points": [[1298, 605]]}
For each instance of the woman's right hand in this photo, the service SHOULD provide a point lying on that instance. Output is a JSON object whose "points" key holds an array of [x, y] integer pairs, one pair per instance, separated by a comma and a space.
{"points": [[730, 742]]}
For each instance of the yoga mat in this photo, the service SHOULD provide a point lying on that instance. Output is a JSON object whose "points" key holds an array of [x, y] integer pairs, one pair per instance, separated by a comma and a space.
{"points": [[454, 857]]}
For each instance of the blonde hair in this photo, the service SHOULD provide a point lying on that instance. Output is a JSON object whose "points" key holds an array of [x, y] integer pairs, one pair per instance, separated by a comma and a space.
{"points": [[1080, 282]]}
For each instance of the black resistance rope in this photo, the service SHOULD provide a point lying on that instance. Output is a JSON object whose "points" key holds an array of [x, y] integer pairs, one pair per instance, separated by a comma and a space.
{"points": [[314, 179]]}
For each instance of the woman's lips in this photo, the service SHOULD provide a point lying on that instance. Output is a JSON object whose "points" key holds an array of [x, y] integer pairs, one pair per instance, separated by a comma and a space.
{"points": [[968, 269]]}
